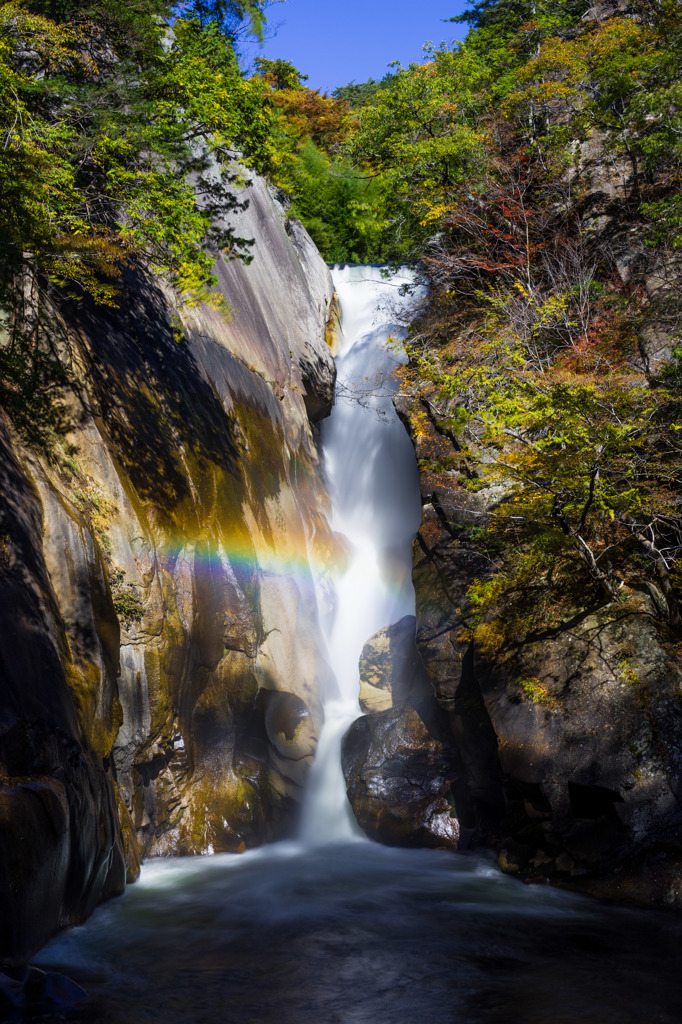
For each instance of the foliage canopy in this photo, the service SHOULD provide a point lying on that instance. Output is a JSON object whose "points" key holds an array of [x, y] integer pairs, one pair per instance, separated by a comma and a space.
{"points": [[531, 342]]}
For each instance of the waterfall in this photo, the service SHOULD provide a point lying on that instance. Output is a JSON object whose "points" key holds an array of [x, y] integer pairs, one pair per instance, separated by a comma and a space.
{"points": [[374, 490], [357, 931]]}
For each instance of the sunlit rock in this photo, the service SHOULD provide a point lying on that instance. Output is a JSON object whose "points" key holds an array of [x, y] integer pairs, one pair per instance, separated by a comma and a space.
{"points": [[391, 669], [158, 574]]}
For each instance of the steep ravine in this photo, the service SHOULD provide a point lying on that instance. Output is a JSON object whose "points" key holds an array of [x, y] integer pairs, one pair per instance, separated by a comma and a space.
{"points": [[328, 926], [564, 729], [160, 651]]}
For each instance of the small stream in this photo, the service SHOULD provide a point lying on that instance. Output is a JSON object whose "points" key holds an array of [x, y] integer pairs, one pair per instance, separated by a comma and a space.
{"points": [[333, 929]]}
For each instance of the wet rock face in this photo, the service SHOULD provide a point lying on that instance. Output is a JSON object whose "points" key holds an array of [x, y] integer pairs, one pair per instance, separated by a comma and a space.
{"points": [[568, 743], [160, 653], [400, 780], [60, 844]]}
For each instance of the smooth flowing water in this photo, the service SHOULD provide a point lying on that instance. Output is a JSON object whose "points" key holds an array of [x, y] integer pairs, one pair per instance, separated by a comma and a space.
{"points": [[361, 934], [331, 930], [374, 490]]}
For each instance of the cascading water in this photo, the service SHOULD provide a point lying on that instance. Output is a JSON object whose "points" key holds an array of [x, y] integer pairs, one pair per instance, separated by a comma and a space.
{"points": [[358, 933], [374, 490]]}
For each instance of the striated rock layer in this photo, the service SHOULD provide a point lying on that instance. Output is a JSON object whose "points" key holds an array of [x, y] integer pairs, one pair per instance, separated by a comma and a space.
{"points": [[160, 653]]}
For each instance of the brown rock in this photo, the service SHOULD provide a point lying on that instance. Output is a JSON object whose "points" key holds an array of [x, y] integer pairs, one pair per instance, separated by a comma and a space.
{"points": [[391, 669], [148, 611]]}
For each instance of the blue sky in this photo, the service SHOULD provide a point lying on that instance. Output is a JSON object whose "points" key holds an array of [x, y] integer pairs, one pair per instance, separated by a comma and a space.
{"points": [[336, 43]]}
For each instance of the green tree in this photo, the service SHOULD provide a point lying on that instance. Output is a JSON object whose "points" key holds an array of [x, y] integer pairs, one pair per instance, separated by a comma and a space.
{"points": [[229, 15], [422, 134], [357, 94], [339, 204], [105, 154], [506, 33], [280, 74], [531, 342], [340, 207]]}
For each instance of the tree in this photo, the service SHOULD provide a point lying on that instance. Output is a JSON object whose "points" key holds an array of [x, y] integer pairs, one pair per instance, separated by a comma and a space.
{"points": [[340, 205], [422, 133], [530, 344], [105, 152], [509, 15], [506, 33], [279, 74], [228, 15], [357, 94]]}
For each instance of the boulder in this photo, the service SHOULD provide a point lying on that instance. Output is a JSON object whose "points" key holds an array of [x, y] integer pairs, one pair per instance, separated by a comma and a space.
{"points": [[391, 669], [399, 780]]}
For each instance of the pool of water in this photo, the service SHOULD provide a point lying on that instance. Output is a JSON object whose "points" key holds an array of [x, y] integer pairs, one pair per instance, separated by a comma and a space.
{"points": [[360, 934]]}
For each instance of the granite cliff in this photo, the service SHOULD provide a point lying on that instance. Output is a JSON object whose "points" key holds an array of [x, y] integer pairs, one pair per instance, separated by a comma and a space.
{"points": [[160, 651], [558, 727]]}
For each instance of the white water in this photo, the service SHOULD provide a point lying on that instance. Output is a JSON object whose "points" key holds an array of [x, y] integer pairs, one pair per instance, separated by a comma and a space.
{"points": [[374, 490]]}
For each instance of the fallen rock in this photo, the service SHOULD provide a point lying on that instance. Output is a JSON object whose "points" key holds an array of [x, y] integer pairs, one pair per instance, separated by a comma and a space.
{"points": [[399, 780]]}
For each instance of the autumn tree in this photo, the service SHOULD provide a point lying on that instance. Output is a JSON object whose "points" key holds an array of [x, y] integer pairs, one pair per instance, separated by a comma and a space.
{"points": [[530, 345], [422, 133]]}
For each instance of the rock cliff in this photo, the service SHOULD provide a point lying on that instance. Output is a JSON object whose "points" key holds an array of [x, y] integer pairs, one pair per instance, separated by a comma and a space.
{"points": [[567, 739], [160, 652], [564, 699]]}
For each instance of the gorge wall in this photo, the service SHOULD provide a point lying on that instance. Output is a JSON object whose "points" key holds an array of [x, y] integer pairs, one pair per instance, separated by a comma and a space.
{"points": [[160, 653], [565, 742], [558, 742]]}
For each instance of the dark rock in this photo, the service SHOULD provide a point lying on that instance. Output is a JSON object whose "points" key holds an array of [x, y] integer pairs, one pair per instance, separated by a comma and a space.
{"points": [[30, 991], [11, 995], [288, 724], [590, 753], [319, 389], [400, 780], [569, 741]]}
